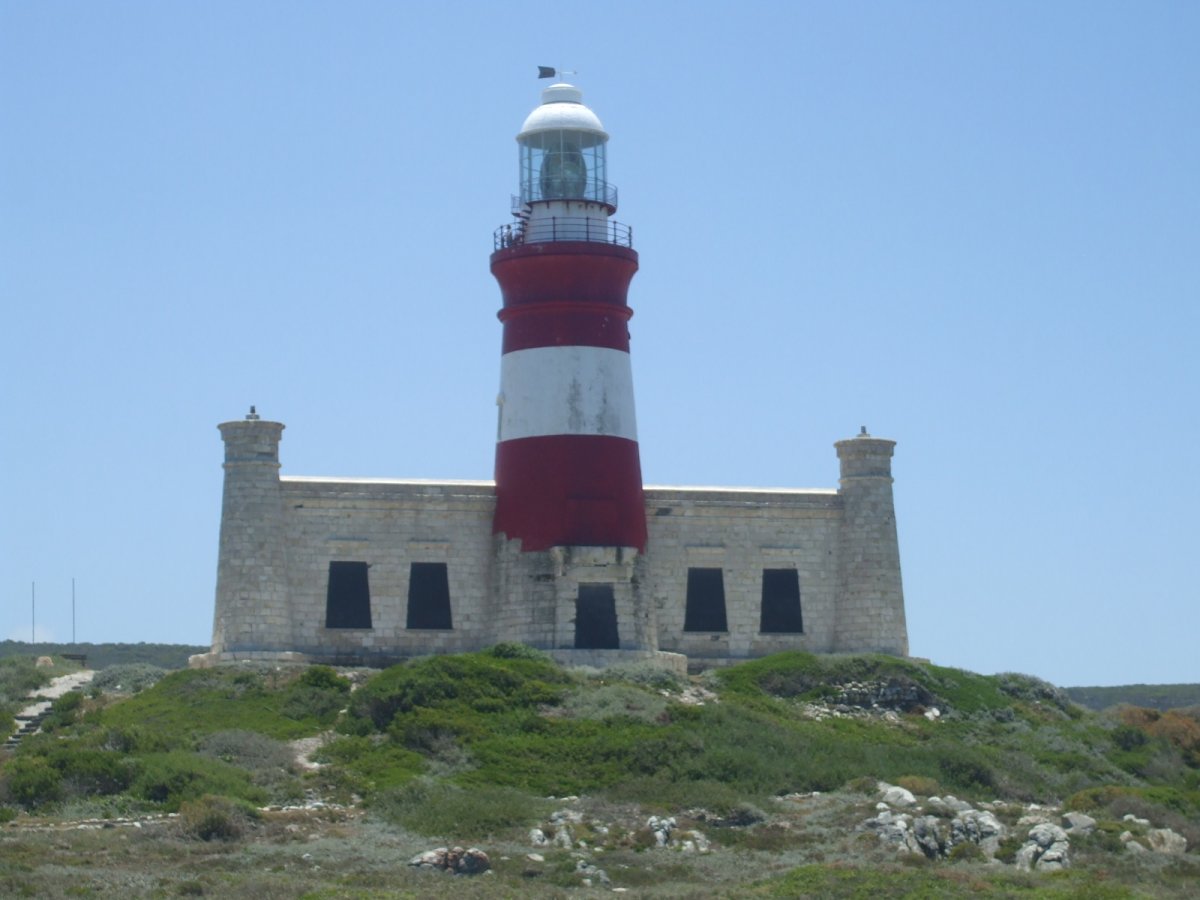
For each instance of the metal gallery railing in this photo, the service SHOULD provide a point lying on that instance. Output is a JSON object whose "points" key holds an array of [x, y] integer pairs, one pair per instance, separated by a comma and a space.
{"points": [[563, 228]]}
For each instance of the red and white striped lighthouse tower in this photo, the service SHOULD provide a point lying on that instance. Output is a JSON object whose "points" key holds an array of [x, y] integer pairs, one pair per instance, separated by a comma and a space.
{"points": [[567, 465]]}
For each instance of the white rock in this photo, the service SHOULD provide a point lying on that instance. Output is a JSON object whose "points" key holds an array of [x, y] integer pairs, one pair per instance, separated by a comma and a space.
{"points": [[896, 796], [1164, 840], [1078, 823]]}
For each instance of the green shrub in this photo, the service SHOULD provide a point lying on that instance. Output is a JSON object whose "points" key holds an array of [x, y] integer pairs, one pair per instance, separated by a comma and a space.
{"points": [[376, 763], [30, 781], [440, 810], [1009, 847], [920, 785], [1128, 737], [211, 818], [863, 784], [967, 851], [173, 777], [269, 762], [512, 650], [475, 682], [87, 772], [615, 701], [646, 674], [324, 678], [195, 702], [64, 711]]}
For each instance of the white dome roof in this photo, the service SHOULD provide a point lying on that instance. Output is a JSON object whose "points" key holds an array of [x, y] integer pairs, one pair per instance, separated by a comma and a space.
{"points": [[562, 109]]}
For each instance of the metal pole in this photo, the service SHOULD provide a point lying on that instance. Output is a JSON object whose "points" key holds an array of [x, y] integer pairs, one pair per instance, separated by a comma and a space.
{"points": [[72, 610], [33, 612]]}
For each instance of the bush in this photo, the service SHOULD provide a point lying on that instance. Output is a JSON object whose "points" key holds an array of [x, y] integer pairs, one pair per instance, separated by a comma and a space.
{"points": [[325, 678], [194, 702], [967, 851], [512, 650], [471, 682], [646, 674], [210, 818], [479, 813], [920, 785], [31, 782], [173, 777], [128, 678], [64, 711], [615, 701], [374, 763], [87, 772], [269, 762], [1009, 847]]}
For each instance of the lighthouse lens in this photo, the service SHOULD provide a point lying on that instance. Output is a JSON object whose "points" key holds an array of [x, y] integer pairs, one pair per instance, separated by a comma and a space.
{"points": [[563, 173]]}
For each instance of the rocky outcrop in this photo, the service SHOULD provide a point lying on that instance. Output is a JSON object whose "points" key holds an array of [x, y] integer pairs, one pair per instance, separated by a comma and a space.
{"points": [[456, 860], [1046, 849], [933, 835]]}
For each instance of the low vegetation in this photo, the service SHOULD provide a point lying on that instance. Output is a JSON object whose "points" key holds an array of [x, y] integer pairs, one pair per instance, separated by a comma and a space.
{"points": [[100, 656], [775, 762], [1153, 696]]}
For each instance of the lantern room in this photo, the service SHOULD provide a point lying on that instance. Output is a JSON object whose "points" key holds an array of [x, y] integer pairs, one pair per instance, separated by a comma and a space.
{"points": [[562, 151]]}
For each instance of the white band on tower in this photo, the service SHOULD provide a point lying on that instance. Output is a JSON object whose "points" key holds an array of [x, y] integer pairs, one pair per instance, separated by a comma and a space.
{"points": [[566, 390]]}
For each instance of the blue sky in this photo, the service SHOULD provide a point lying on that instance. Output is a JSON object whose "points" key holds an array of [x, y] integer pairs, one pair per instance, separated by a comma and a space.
{"points": [[971, 227]]}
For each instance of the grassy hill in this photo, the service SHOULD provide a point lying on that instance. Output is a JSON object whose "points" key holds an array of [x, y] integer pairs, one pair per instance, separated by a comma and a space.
{"points": [[1154, 696], [768, 772]]}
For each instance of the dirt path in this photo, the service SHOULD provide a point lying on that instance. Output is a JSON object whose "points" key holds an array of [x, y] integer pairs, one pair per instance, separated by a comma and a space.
{"points": [[29, 719], [63, 684]]}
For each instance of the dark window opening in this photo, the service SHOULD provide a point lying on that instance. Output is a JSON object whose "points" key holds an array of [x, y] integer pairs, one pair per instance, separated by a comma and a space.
{"points": [[705, 601], [781, 601], [596, 618], [348, 598], [429, 596]]}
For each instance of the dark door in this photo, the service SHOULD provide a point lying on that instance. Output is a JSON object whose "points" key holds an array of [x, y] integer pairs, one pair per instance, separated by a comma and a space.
{"points": [[596, 618]]}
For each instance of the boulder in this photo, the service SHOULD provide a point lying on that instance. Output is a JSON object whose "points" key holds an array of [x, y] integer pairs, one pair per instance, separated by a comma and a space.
{"points": [[661, 828], [473, 862], [1164, 840], [1046, 849], [892, 828], [590, 873], [952, 802], [1078, 823], [895, 796], [929, 839], [978, 827]]}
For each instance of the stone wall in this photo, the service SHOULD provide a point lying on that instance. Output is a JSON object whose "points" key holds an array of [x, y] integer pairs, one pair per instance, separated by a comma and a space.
{"points": [[279, 536], [742, 532]]}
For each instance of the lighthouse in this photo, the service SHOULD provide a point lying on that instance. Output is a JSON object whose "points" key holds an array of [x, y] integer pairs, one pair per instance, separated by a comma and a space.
{"points": [[568, 473], [559, 552]]}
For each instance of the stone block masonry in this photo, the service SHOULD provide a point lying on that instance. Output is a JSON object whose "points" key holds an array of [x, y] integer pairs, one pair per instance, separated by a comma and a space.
{"points": [[370, 571]]}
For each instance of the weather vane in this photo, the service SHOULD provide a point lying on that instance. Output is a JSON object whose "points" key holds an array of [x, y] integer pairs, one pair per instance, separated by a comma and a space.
{"points": [[550, 72]]}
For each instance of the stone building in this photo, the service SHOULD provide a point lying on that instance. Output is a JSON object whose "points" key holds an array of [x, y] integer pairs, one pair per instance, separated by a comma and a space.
{"points": [[566, 550]]}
